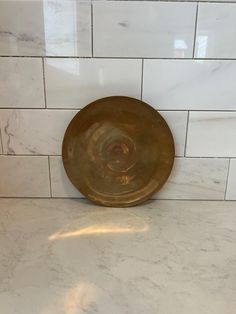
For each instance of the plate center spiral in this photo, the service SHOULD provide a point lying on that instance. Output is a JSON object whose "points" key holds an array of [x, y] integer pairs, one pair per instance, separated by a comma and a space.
{"points": [[119, 153]]}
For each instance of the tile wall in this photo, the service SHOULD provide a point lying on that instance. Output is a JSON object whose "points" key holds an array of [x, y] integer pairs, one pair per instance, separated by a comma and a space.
{"points": [[178, 56]]}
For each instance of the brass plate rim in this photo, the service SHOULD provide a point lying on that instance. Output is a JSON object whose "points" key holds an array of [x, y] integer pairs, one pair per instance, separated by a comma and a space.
{"points": [[118, 203]]}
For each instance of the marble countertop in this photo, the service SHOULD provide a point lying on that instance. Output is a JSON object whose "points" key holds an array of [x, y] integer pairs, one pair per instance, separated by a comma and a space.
{"points": [[61, 256]]}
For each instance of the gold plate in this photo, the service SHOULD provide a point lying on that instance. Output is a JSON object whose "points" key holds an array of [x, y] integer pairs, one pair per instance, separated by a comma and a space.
{"points": [[118, 151]]}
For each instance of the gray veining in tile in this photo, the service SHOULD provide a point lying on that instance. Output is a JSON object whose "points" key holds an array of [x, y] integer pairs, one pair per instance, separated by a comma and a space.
{"points": [[45, 28], [196, 178], [71, 257], [190, 84], [33, 131], [191, 178], [143, 29], [21, 83]]}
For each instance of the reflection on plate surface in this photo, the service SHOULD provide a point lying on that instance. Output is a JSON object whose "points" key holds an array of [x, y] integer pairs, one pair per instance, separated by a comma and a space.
{"points": [[118, 151]]}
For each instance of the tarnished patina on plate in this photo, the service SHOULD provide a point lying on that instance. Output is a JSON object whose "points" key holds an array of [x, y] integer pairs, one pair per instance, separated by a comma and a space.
{"points": [[118, 151]]}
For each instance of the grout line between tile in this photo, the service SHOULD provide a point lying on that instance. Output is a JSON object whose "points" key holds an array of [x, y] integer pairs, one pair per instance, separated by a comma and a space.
{"points": [[44, 85], [77, 109], [92, 28], [126, 57], [42, 108], [186, 135], [142, 79], [227, 179], [173, 1], [30, 155], [207, 157], [195, 31], [50, 178], [201, 110], [177, 157], [151, 199], [1, 142]]}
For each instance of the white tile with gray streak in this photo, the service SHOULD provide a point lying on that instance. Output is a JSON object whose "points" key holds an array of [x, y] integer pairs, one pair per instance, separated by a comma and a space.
{"points": [[143, 29], [45, 28], [33, 131], [40, 132], [191, 178], [196, 178], [21, 83], [190, 84]]}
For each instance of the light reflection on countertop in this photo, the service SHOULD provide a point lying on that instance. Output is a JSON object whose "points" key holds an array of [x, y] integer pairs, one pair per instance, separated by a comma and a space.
{"points": [[112, 221], [62, 256]]}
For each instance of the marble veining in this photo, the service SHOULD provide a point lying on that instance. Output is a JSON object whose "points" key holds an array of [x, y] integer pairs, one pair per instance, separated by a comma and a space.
{"points": [[21, 83], [196, 178], [190, 84], [57, 56], [191, 178], [45, 28], [47, 129], [34, 132], [143, 29], [71, 257]]}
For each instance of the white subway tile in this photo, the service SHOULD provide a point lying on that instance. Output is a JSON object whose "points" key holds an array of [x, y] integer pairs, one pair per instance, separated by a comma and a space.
{"points": [[26, 131], [33, 131], [21, 82], [192, 178], [51, 28], [177, 121], [73, 83], [143, 29], [190, 84], [24, 176], [196, 178], [215, 36], [61, 185], [231, 186], [212, 134]]}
